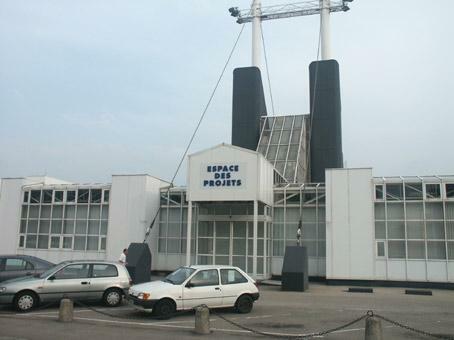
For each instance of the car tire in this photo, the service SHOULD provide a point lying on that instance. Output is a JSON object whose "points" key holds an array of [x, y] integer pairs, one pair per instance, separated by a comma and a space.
{"points": [[164, 309], [244, 304], [25, 301], [112, 297]]}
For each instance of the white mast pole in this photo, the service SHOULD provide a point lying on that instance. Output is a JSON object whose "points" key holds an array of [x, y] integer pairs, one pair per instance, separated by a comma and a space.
{"points": [[256, 32], [325, 29]]}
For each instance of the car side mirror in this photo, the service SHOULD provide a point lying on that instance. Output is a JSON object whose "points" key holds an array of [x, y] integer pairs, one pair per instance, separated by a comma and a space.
{"points": [[51, 278], [189, 285]]}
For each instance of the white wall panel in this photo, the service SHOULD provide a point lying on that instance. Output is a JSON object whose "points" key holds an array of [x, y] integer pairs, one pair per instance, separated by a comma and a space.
{"points": [[380, 270], [396, 270], [437, 271], [10, 206], [451, 271], [349, 224], [416, 271]]}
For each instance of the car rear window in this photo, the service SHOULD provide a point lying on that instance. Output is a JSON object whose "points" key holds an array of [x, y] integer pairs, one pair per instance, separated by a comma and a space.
{"points": [[17, 264], [231, 276], [104, 270]]}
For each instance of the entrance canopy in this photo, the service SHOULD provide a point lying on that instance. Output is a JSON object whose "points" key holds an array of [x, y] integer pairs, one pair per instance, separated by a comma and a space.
{"points": [[229, 173]]}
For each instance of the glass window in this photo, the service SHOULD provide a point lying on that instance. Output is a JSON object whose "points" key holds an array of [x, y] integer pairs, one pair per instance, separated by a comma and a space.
{"points": [[95, 211], [68, 226], [45, 211], [79, 242], [434, 211], [272, 150], [82, 212], [55, 242], [395, 211], [298, 121], [232, 276], [47, 196], [285, 137], [396, 230], [416, 250], [56, 226], [106, 196], [394, 191], [73, 271], [413, 191], [58, 196], [380, 249], [26, 194], [415, 230], [70, 212], [43, 241], [35, 196], [449, 190], [435, 230], [436, 250], [105, 212], [414, 210], [44, 226], [104, 270], [23, 226], [92, 242], [282, 153], [379, 191], [396, 249], [288, 122], [21, 241], [57, 212], [278, 122], [379, 211], [15, 264], [295, 136], [103, 243], [32, 227], [433, 191], [205, 278], [293, 152], [95, 195], [380, 230], [82, 195], [31, 241], [67, 242], [71, 196]]}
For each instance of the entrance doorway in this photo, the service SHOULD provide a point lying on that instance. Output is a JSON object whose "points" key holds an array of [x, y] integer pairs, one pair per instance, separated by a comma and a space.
{"points": [[231, 243]]}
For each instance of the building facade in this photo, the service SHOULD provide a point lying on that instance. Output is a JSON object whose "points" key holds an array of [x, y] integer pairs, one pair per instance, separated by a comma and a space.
{"points": [[236, 209]]}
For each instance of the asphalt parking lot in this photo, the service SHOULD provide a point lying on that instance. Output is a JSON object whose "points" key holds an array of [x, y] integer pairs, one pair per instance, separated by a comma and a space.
{"points": [[281, 313]]}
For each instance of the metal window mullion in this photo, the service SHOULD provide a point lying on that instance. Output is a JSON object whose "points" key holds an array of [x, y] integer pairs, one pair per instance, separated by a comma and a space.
{"points": [[425, 239], [289, 143], [300, 145], [269, 139], [446, 240], [405, 228]]}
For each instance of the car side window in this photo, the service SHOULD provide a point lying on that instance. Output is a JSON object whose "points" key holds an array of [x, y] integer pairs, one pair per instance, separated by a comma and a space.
{"points": [[29, 265], [232, 276], [104, 270], [15, 264], [205, 278], [73, 271]]}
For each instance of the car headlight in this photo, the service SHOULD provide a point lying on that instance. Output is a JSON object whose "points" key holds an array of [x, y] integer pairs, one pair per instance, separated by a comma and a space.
{"points": [[143, 296], [2, 289]]}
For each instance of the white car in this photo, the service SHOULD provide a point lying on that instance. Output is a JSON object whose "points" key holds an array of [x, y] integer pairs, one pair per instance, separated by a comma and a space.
{"points": [[188, 287]]}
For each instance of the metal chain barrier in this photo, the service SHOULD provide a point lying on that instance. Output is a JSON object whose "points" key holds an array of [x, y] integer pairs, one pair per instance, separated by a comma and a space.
{"points": [[398, 324], [291, 336]]}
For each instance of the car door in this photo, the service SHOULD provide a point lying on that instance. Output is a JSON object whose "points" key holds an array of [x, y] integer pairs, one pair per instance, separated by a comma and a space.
{"points": [[203, 289], [233, 284], [71, 281], [103, 276]]}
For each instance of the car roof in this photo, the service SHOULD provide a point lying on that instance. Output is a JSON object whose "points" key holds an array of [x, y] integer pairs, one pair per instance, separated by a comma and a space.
{"points": [[91, 261], [212, 266], [26, 257]]}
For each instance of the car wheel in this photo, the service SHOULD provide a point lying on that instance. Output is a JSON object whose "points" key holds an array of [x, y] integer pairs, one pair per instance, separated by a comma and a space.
{"points": [[244, 304], [112, 297], [25, 301], [164, 308]]}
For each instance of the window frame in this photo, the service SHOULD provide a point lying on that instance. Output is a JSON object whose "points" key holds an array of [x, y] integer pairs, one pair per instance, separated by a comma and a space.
{"points": [[232, 283], [189, 283]]}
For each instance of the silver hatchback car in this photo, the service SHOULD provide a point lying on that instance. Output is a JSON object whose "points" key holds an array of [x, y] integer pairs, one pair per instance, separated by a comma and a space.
{"points": [[78, 280]]}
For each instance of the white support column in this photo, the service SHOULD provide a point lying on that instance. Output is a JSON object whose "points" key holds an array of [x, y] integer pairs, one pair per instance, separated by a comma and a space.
{"points": [[325, 29], [189, 234], [254, 241], [256, 33]]}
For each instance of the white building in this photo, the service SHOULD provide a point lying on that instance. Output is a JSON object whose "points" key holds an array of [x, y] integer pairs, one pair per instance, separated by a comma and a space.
{"points": [[237, 209]]}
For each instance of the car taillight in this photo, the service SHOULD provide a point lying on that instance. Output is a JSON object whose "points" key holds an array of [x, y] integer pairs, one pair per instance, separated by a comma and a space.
{"points": [[130, 282]]}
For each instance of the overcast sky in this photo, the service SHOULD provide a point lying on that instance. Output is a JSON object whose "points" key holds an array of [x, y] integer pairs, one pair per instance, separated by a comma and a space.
{"points": [[92, 88]]}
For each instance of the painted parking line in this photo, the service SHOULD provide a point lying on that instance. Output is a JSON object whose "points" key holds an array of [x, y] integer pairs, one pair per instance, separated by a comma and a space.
{"points": [[75, 311]]}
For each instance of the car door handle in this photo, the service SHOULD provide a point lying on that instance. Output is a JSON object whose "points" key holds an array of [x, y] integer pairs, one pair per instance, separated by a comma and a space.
{"points": [[217, 288], [85, 283]]}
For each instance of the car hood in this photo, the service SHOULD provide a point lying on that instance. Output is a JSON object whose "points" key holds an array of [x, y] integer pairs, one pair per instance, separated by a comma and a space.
{"points": [[151, 287], [19, 280]]}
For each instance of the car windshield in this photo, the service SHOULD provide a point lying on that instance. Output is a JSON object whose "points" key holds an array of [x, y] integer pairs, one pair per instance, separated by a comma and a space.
{"points": [[52, 270], [179, 275]]}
